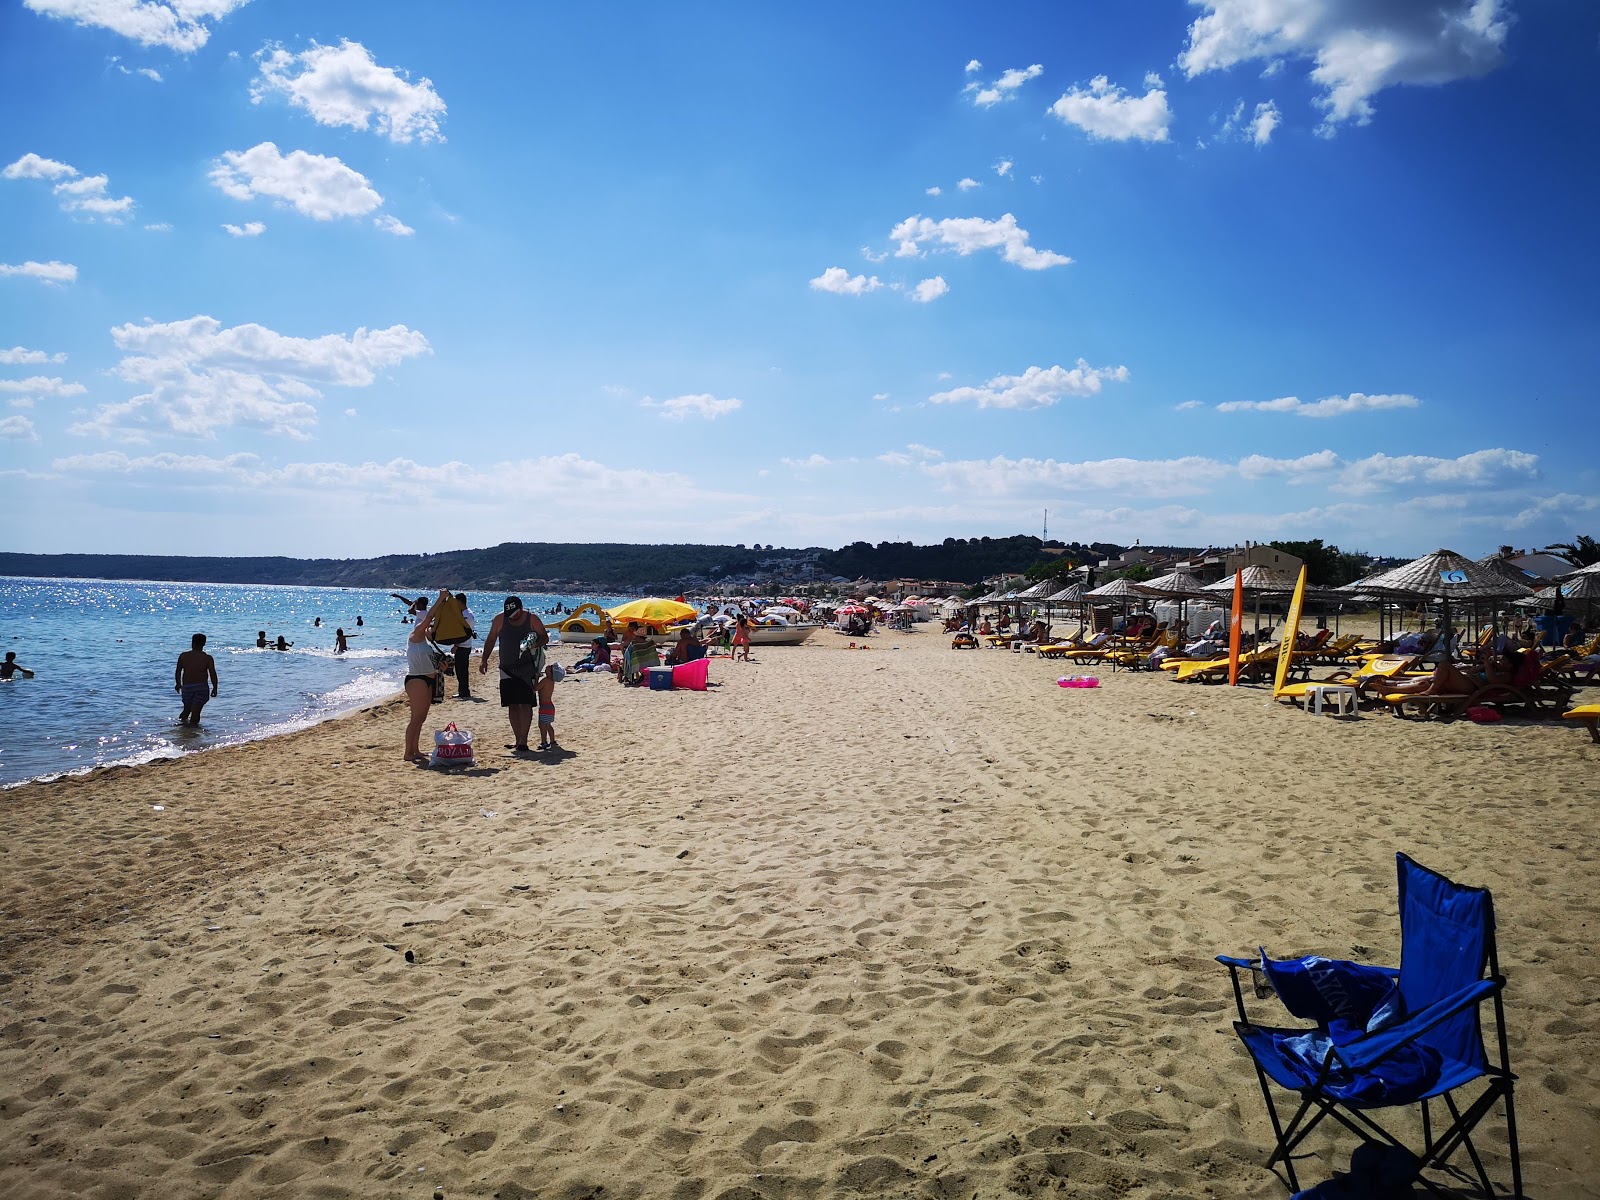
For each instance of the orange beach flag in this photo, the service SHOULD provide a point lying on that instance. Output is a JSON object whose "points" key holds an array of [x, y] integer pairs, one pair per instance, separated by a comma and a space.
{"points": [[1236, 629], [1291, 627]]}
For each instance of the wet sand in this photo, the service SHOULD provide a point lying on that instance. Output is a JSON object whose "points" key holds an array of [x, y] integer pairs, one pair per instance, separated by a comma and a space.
{"points": [[901, 922]]}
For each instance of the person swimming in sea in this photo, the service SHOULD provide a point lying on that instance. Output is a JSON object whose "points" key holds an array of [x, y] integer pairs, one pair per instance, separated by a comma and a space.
{"points": [[261, 639], [281, 643], [11, 667]]}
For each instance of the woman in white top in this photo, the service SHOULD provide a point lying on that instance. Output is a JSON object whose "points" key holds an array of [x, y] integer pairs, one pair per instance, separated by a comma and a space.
{"points": [[420, 672]]}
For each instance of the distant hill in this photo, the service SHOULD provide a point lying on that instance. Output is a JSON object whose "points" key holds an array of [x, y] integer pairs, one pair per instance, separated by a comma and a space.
{"points": [[575, 567], [600, 566]]}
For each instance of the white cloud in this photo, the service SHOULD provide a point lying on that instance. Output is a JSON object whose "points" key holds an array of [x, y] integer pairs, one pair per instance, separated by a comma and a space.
{"points": [[1481, 468], [808, 463], [39, 385], [20, 355], [20, 402], [1003, 167], [1195, 475], [965, 235], [967, 183], [1037, 387], [45, 272], [840, 282], [202, 377], [935, 190], [1187, 405], [880, 395], [1329, 406], [973, 65], [394, 225], [1358, 47], [566, 481], [178, 25], [18, 429], [1105, 111], [1267, 119], [342, 85], [76, 193], [32, 166], [1006, 86], [160, 227], [320, 187], [249, 229], [1152, 81], [705, 406], [1257, 129], [930, 290], [149, 73]]}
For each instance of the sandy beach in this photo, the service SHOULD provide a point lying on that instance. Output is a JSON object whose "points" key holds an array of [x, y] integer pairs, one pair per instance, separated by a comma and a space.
{"points": [[901, 922]]}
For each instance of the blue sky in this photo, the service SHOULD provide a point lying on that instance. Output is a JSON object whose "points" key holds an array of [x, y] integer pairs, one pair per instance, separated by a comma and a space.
{"points": [[363, 278]]}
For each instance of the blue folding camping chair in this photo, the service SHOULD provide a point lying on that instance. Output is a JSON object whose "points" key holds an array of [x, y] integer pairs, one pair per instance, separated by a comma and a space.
{"points": [[1386, 1038]]}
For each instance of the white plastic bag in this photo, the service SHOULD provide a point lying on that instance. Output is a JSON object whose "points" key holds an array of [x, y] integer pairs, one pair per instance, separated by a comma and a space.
{"points": [[452, 747]]}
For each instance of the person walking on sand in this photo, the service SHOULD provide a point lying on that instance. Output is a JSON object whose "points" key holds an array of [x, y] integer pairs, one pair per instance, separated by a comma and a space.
{"points": [[741, 638], [421, 669], [196, 669], [11, 667], [510, 626], [463, 650]]}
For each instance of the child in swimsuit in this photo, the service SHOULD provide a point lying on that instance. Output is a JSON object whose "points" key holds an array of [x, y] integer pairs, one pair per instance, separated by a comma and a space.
{"points": [[547, 706]]}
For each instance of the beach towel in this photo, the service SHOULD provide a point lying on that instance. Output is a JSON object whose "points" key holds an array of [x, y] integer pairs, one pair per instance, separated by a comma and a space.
{"points": [[449, 629]]}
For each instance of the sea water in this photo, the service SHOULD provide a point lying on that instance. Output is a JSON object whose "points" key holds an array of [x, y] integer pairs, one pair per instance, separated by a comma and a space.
{"points": [[104, 654]]}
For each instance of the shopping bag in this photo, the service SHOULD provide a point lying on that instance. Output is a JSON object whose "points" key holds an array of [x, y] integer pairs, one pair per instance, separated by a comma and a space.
{"points": [[452, 747]]}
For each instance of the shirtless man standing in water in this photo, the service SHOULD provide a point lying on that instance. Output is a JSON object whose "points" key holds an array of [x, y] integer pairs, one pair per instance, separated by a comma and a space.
{"points": [[195, 669]]}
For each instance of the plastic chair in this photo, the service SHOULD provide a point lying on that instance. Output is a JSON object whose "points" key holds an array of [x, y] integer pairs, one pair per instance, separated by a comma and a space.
{"points": [[1387, 1038]]}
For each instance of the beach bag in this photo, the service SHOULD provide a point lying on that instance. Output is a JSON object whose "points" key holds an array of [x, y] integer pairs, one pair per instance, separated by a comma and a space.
{"points": [[452, 747], [528, 665]]}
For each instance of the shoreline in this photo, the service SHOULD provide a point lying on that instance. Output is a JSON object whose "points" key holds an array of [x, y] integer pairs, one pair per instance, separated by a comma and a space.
{"points": [[910, 921]]}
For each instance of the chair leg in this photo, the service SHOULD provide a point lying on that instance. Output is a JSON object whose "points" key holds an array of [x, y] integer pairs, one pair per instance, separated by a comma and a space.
{"points": [[1279, 1149]]}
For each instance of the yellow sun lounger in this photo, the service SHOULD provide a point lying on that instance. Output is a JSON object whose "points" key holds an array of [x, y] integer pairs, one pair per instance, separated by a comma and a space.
{"points": [[1589, 714], [1383, 667]]}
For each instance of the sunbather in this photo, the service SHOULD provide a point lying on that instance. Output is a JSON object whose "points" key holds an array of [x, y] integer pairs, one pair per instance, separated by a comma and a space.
{"points": [[1447, 680]]}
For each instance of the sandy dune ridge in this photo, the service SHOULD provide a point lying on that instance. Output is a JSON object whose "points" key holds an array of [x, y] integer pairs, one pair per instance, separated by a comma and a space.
{"points": [[903, 922]]}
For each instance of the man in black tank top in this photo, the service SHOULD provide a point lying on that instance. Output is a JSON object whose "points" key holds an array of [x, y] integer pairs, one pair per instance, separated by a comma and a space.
{"points": [[517, 697]]}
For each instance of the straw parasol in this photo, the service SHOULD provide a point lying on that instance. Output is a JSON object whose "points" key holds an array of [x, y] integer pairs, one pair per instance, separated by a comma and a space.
{"points": [[1067, 595], [1445, 578], [1256, 580], [1037, 592], [1117, 589], [1592, 569], [1180, 585]]}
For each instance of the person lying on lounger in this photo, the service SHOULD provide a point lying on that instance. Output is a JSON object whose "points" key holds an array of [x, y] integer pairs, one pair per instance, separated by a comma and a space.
{"points": [[1447, 680]]}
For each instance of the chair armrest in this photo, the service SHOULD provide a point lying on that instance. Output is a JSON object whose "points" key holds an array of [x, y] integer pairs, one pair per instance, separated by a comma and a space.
{"points": [[1367, 1052], [1228, 960]]}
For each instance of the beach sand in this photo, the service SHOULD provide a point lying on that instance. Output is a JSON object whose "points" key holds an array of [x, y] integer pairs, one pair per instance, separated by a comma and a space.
{"points": [[903, 922]]}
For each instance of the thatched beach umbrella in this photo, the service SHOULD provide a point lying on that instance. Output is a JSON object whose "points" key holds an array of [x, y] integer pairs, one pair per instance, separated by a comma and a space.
{"points": [[1118, 589], [1175, 585], [1445, 578], [1257, 581]]}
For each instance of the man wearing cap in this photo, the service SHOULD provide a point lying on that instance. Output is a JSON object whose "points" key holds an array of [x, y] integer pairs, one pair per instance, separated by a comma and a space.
{"points": [[511, 625]]}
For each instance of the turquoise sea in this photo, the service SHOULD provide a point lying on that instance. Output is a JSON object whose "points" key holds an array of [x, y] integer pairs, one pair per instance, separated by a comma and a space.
{"points": [[104, 653]]}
